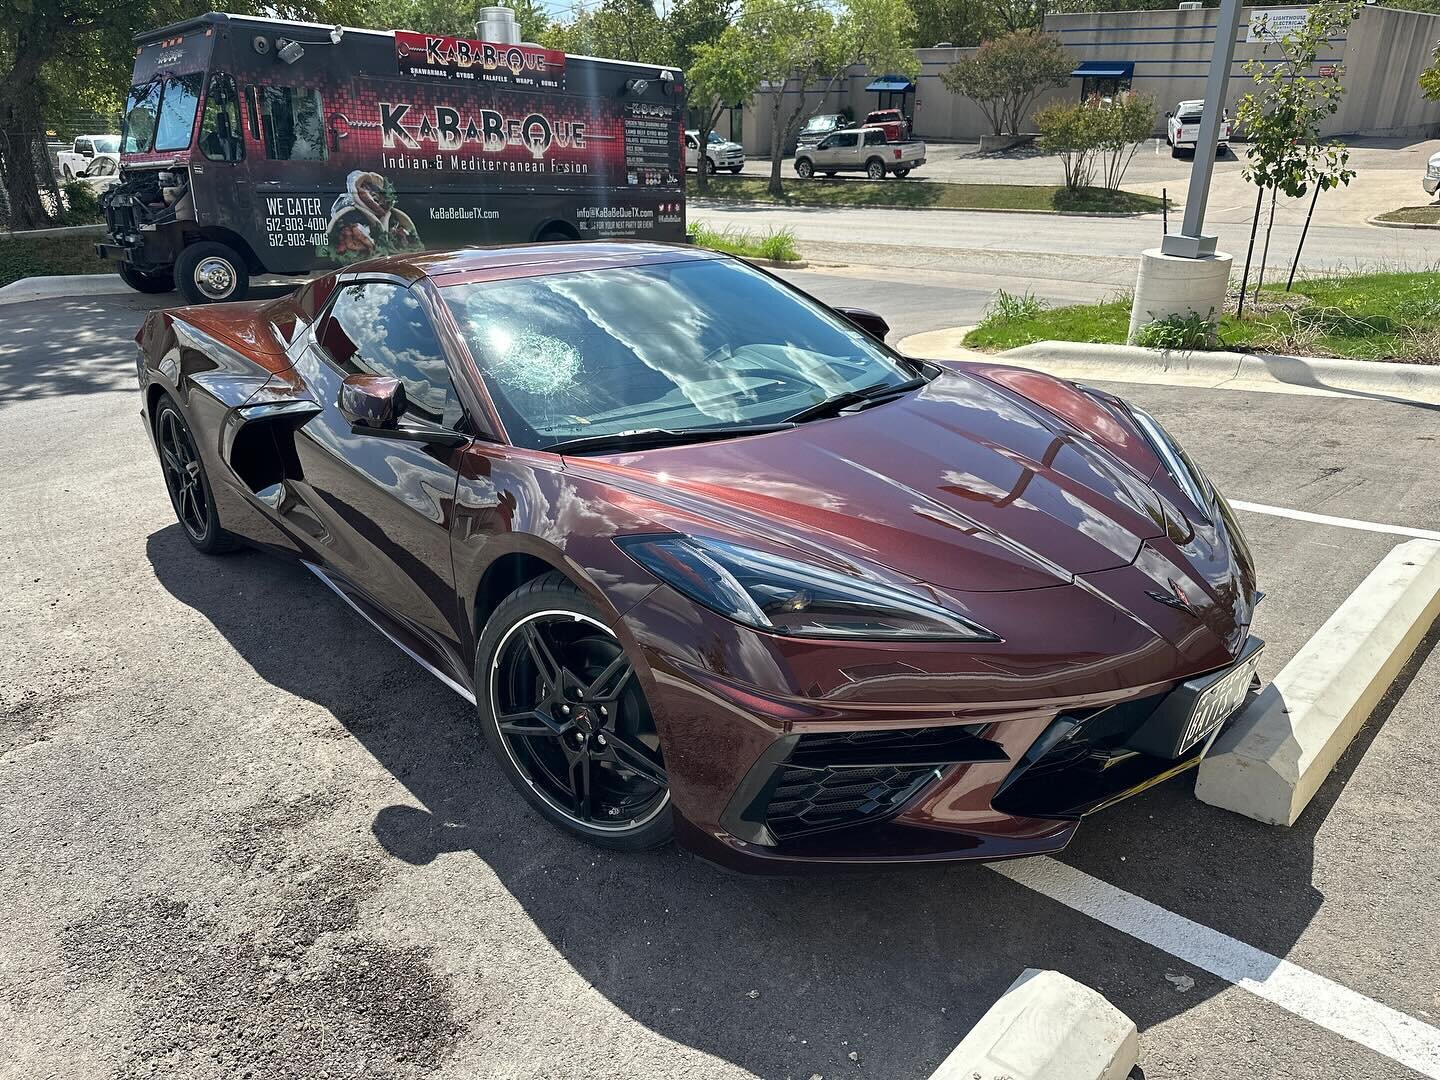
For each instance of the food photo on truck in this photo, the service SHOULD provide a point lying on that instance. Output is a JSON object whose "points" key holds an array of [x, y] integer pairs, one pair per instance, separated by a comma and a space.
{"points": [[262, 146]]}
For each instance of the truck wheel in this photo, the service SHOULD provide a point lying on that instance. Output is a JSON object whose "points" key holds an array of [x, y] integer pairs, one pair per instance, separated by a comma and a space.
{"points": [[1175, 151], [156, 281], [804, 168], [211, 273], [709, 167], [875, 169], [902, 173], [736, 169], [831, 173]]}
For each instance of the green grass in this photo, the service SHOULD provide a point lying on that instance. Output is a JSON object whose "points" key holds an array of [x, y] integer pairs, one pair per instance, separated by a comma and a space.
{"points": [[930, 194], [777, 244], [1387, 316], [1414, 215], [33, 257]]}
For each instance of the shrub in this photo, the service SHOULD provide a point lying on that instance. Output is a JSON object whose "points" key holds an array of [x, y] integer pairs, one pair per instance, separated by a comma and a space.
{"points": [[1007, 307], [1096, 133], [82, 205], [1066, 129]]}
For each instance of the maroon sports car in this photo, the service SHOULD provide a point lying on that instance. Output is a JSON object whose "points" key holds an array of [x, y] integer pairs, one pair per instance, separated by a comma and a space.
{"points": [[710, 558]]}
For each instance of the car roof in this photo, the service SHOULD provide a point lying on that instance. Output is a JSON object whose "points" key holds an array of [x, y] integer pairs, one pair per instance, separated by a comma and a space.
{"points": [[462, 265]]}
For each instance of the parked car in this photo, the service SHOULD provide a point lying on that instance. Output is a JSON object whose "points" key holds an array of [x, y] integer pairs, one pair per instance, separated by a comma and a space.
{"points": [[1431, 182], [893, 121], [864, 150], [817, 127], [75, 160], [720, 153], [102, 173], [1182, 129], [709, 558]]}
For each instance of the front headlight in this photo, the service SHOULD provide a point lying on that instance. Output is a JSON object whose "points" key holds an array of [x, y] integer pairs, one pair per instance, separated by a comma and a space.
{"points": [[1177, 463], [782, 596]]}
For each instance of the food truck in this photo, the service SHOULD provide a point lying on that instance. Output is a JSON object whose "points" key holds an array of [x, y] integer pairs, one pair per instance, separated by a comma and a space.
{"points": [[255, 145]]}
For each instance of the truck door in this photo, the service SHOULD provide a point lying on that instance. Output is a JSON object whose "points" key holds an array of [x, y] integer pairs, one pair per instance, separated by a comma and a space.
{"points": [[222, 181]]}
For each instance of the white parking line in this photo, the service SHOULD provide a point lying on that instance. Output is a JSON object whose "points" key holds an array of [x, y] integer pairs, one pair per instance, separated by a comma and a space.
{"points": [[1339, 522], [1312, 997]]}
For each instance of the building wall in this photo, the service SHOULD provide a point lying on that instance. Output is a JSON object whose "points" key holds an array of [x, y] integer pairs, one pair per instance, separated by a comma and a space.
{"points": [[1382, 57]]}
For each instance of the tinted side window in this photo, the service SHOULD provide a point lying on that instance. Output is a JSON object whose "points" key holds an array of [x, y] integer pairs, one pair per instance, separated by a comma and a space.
{"points": [[874, 138], [380, 329], [845, 138], [293, 124], [220, 123]]}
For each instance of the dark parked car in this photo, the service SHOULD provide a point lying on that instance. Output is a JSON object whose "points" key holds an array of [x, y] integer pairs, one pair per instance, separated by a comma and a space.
{"points": [[712, 559]]}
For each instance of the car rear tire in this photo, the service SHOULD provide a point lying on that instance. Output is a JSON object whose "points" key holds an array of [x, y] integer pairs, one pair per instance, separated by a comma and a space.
{"points": [[211, 273], [900, 174], [804, 168], [191, 496], [567, 720], [157, 281], [875, 169], [830, 174]]}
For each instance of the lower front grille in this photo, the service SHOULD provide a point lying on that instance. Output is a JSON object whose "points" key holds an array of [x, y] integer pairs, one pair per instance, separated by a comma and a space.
{"points": [[807, 800]]}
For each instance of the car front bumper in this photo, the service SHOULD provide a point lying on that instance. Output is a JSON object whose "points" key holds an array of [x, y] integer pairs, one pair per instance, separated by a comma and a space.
{"points": [[1431, 184], [768, 783]]}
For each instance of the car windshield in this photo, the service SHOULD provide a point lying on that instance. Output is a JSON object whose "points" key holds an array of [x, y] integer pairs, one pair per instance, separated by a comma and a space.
{"points": [[679, 346], [820, 123], [109, 144], [160, 114], [715, 137]]}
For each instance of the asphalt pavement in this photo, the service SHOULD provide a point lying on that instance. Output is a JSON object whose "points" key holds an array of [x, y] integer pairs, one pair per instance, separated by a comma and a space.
{"points": [[242, 835]]}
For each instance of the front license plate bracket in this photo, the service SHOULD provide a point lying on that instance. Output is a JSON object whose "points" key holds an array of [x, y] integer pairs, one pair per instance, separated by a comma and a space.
{"points": [[1198, 707]]}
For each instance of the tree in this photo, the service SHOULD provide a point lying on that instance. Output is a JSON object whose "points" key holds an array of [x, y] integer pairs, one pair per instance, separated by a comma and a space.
{"points": [[716, 79], [1007, 74], [618, 29], [798, 46], [1281, 119], [1430, 78], [1121, 126]]}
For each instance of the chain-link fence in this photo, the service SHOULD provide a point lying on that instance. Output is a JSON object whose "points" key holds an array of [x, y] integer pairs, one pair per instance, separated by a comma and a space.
{"points": [[30, 196]]}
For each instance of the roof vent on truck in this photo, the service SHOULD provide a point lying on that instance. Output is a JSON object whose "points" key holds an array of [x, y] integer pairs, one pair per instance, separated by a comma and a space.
{"points": [[497, 24]]}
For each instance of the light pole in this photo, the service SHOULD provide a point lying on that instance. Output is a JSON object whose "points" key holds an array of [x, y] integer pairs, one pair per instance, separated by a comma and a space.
{"points": [[1186, 276], [1189, 242]]}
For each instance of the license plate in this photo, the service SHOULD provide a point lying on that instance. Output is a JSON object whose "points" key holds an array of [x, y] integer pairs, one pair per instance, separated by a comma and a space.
{"points": [[1217, 702]]}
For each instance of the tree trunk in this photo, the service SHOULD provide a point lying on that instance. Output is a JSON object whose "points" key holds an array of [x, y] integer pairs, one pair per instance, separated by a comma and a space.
{"points": [[22, 128], [777, 144]]}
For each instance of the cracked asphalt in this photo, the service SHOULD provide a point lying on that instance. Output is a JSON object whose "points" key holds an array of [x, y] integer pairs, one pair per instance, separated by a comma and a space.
{"points": [[243, 836]]}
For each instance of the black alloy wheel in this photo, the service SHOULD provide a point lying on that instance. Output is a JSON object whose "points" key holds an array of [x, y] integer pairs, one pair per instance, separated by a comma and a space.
{"points": [[568, 719], [187, 483]]}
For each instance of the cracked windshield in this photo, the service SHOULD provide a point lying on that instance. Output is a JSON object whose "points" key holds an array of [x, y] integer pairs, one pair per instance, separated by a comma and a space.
{"points": [[680, 346]]}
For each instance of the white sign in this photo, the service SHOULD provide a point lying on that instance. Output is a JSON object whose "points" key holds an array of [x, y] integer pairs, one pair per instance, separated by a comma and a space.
{"points": [[1272, 24]]}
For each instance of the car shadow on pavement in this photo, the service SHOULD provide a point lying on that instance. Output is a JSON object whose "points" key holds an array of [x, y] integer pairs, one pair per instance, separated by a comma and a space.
{"points": [[781, 976]]}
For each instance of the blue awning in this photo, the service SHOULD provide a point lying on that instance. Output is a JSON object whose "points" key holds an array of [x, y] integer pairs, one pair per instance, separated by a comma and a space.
{"points": [[895, 84], [1104, 69]]}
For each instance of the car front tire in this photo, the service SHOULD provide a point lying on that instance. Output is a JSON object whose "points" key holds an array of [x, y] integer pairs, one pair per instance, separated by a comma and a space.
{"points": [[804, 169], [211, 273], [875, 169], [736, 169], [566, 718]]}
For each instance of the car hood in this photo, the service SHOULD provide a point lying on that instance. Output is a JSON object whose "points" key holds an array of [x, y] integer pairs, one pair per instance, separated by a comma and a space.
{"points": [[960, 485]]}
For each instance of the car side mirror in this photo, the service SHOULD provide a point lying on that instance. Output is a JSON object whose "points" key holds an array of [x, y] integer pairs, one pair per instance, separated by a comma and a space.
{"points": [[1168, 115], [372, 401], [872, 324]]}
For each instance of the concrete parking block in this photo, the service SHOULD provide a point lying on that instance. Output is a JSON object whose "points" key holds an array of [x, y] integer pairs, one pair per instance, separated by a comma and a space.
{"points": [[1273, 759], [1046, 1026]]}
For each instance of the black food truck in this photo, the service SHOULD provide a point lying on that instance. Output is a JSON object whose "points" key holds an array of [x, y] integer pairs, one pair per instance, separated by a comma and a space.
{"points": [[254, 145]]}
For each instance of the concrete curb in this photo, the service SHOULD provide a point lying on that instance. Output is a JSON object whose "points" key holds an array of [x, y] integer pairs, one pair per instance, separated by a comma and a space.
{"points": [[721, 204], [64, 230], [58, 287], [1399, 224], [1265, 372], [1046, 1027], [778, 264], [1273, 759]]}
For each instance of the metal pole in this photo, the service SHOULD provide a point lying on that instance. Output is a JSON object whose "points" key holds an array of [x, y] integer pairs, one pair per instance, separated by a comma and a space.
{"points": [[1254, 224], [1294, 265], [1165, 211], [1265, 253], [1189, 242]]}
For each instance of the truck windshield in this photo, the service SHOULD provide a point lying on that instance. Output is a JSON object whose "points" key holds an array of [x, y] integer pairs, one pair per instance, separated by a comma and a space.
{"points": [[107, 144], [820, 123], [160, 114]]}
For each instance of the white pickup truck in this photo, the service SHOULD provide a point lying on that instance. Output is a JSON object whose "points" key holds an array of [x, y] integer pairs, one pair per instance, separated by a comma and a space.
{"points": [[1431, 181], [859, 150], [720, 153], [76, 160], [1182, 129]]}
